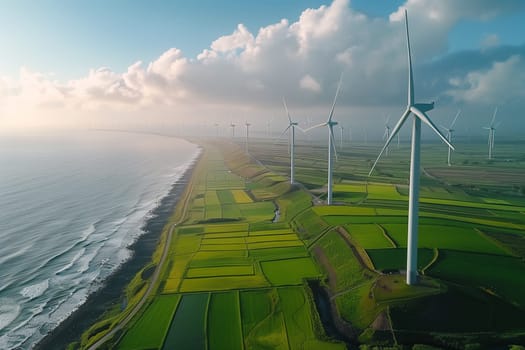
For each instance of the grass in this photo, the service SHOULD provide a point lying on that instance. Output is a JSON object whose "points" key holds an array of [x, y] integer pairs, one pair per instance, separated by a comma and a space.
{"points": [[348, 269], [222, 283], [309, 225], [241, 197], [445, 237], [501, 275], [187, 330], [396, 259], [289, 271], [263, 321], [369, 236], [297, 310], [149, 331], [224, 322], [275, 244], [279, 253], [224, 270]]}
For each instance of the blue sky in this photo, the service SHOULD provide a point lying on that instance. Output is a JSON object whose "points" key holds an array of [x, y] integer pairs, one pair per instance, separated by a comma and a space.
{"points": [[70, 37], [223, 59]]}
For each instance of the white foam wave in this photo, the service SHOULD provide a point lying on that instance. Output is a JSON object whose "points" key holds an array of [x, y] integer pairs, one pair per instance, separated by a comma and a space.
{"points": [[72, 262], [35, 290], [15, 254], [9, 311]]}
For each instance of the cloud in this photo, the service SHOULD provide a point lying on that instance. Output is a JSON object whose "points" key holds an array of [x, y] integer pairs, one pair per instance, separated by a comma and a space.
{"points": [[501, 84], [309, 83], [247, 70], [490, 41]]}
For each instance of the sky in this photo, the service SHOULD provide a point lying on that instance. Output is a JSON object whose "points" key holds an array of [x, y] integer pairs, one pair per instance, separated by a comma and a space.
{"points": [[189, 64]]}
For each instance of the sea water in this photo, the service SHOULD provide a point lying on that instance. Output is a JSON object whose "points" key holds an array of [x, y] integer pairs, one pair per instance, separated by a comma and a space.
{"points": [[70, 205]]}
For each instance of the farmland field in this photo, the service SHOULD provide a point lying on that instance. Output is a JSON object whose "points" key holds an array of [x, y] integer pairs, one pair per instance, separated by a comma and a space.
{"points": [[237, 267], [224, 322]]}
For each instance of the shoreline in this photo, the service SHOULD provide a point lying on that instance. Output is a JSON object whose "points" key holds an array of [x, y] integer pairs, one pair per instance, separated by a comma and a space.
{"points": [[113, 287]]}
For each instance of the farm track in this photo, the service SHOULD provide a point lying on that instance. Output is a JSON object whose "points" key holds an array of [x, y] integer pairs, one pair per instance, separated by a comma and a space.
{"points": [[154, 278]]}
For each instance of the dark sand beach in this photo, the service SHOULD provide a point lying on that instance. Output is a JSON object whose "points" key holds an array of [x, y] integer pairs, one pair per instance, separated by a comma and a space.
{"points": [[111, 291]]}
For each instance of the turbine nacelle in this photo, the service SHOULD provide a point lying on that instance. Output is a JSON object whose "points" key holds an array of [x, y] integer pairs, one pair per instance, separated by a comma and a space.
{"points": [[424, 107]]}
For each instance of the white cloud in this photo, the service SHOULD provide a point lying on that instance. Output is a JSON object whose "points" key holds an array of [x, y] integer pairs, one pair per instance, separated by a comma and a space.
{"points": [[502, 83], [239, 39], [250, 70], [309, 83], [490, 41]]}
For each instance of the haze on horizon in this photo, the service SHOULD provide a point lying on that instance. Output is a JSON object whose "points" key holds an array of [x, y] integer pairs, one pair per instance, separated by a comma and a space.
{"points": [[160, 65]]}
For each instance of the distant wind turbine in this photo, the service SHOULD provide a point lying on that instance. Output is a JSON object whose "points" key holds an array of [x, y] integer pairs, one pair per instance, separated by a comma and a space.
{"points": [[331, 146], [216, 129], [450, 130], [342, 134], [233, 129], [291, 127], [387, 132], [492, 129], [418, 110], [247, 135]]}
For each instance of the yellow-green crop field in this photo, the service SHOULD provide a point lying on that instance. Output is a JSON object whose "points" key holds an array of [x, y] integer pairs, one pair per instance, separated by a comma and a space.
{"points": [[236, 276]]}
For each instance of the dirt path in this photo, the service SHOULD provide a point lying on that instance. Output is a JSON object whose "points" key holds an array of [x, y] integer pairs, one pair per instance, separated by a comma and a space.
{"points": [[154, 278]]}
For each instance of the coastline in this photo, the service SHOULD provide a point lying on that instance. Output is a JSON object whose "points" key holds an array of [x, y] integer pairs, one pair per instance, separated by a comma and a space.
{"points": [[113, 287]]}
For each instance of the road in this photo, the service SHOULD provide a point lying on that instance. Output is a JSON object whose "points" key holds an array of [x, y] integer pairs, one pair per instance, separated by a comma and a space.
{"points": [[152, 284]]}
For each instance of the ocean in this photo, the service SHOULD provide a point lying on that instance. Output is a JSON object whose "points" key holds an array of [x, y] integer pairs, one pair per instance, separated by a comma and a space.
{"points": [[71, 204]]}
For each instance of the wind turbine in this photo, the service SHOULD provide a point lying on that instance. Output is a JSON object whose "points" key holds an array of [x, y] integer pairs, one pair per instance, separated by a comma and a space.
{"points": [[216, 125], [247, 135], [291, 126], [491, 128], [418, 110], [233, 129], [331, 146], [450, 131], [386, 135], [342, 132]]}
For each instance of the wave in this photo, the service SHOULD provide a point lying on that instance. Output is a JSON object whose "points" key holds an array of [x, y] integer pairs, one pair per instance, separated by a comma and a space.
{"points": [[9, 311], [35, 290], [72, 262]]}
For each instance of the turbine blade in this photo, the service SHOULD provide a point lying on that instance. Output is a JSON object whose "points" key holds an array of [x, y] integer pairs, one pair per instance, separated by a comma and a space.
{"points": [[285, 130], [392, 134], [286, 109], [332, 144], [426, 120], [410, 73], [494, 117], [335, 98], [455, 118], [313, 127]]}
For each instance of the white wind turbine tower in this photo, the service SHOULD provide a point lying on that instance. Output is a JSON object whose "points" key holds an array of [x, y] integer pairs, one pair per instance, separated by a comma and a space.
{"points": [[247, 135], [331, 146], [291, 126], [386, 135], [492, 128], [418, 110], [342, 134], [216, 125], [450, 131], [233, 129]]}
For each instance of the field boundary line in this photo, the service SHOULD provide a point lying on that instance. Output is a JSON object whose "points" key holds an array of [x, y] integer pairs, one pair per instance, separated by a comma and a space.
{"points": [[387, 236], [432, 262]]}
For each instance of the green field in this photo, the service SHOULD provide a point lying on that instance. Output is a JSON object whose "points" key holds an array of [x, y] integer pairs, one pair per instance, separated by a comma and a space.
{"points": [[235, 276], [289, 271], [187, 329], [151, 329], [224, 322]]}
